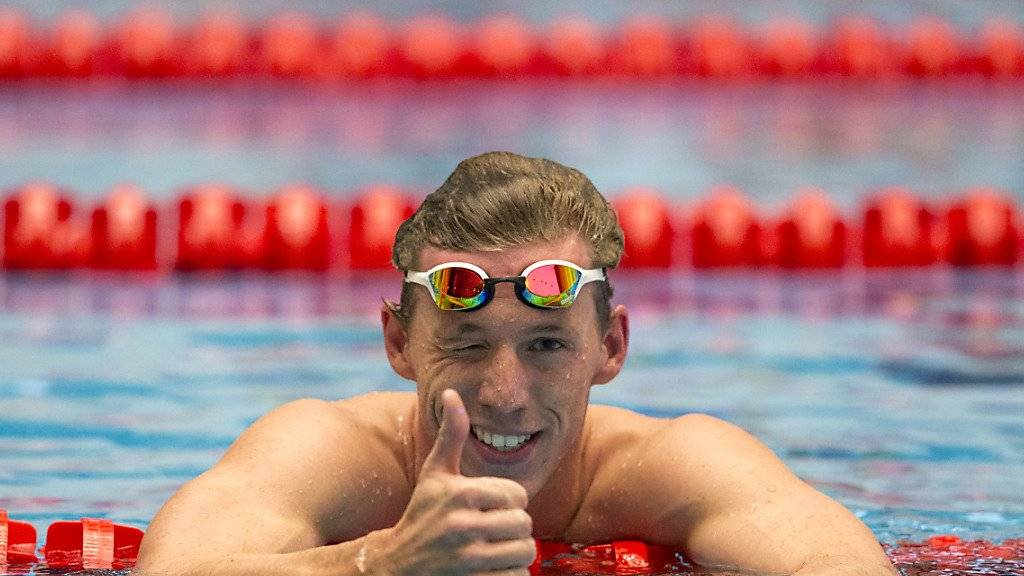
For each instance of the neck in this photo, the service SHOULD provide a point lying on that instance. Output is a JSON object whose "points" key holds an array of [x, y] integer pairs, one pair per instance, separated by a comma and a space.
{"points": [[554, 508]]}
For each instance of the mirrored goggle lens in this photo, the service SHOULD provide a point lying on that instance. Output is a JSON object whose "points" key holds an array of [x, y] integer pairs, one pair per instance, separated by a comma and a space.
{"points": [[457, 288], [552, 286]]}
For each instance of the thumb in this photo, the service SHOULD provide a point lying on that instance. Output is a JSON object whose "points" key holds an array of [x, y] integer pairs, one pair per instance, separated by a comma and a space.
{"points": [[451, 436]]}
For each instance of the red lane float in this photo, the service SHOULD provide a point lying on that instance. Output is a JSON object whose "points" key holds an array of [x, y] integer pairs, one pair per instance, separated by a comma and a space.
{"points": [[726, 231], [811, 234], [374, 219], [91, 544], [948, 554], [933, 49], [295, 45], [298, 235], [898, 230], [213, 233], [289, 47], [217, 47], [788, 47], [647, 223], [719, 49], [645, 48], [618, 557], [41, 231], [17, 542], [982, 230], [298, 229], [124, 233], [360, 47], [101, 544], [858, 48], [501, 46], [1001, 49], [431, 47], [574, 47], [144, 46], [16, 46], [73, 46]]}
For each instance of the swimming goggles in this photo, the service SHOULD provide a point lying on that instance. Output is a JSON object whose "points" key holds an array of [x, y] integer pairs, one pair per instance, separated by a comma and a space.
{"points": [[546, 284]]}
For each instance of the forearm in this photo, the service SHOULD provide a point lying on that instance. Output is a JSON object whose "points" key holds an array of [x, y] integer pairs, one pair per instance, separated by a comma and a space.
{"points": [[360, 557]]}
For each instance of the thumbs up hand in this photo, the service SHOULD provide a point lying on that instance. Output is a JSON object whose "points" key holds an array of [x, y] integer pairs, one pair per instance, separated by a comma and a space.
{"points": [[455, 525]]}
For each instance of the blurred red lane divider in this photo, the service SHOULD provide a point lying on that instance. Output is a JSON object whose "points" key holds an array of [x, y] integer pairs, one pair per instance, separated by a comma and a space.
{"points": [[212, 227], [92, 543], [293, 45]]}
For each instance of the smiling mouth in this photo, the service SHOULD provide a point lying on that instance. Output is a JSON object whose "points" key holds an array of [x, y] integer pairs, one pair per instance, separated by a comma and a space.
{"points": [[501, 442]]}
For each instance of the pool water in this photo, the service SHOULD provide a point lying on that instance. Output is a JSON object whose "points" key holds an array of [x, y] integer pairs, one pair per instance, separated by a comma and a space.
{"points": [[899, 394], [682, 139]]}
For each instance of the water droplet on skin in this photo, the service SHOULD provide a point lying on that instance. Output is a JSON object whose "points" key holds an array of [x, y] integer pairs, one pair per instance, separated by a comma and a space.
{"points": [[771, 487]]}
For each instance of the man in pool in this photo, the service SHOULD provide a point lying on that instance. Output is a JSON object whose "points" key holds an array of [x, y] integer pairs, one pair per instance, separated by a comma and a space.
{"points": [[504, 323]]}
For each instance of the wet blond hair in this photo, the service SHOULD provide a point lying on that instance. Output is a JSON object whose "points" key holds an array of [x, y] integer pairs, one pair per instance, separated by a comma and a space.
{"points": [[499, 200]]}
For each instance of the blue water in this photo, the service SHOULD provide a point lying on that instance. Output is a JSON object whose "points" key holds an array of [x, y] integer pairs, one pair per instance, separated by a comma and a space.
{"points": [[899, 394], [682, 139], [965, 15]]}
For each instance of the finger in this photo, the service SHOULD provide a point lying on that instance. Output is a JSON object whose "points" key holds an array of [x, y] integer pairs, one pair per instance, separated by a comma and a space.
{"points": [[466, 525], [495, 556], [504, 525], [490, 493], [446, 454]]}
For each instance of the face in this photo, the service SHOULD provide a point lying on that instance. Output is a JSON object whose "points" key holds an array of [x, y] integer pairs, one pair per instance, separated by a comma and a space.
{"points": [[524, 374]]}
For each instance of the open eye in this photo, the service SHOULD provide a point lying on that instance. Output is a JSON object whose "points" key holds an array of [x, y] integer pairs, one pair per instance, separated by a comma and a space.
{"points": [[547, 345]]}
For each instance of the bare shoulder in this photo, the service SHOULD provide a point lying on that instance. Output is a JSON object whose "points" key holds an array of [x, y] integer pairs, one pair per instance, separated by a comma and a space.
{"points": [[612, 431], [617, 432], [689, 447], [636, 461], [301, 427], [322, 458]]}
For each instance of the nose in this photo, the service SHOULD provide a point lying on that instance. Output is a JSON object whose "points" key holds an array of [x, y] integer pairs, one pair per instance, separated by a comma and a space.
{"points": [[505, 387]]}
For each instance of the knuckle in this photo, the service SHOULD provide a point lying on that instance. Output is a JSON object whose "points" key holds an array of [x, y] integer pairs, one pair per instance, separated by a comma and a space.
{"points": [[513, 492], [526, 524], [473, 557], [464, 493], [521, 498], [460, 522], [529, 550]]}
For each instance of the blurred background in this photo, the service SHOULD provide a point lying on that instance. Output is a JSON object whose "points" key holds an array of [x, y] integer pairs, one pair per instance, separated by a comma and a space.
{"points": [[822, 203]]}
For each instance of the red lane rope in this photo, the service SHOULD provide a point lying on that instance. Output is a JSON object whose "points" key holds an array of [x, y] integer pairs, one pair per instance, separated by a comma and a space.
{"points": [[102, 544], [212, 227], [361, 45]]}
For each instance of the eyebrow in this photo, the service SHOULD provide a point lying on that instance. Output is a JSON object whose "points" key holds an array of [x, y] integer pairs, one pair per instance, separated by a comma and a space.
{"points": [[474, 328], [548, 328], [468, 327]]}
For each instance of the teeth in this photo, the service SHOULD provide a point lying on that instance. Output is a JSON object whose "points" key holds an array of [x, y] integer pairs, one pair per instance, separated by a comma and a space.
{"points": [[500, 441]]}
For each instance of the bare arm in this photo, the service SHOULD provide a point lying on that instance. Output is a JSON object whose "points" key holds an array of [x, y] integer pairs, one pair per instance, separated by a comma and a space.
{"points": [[305, 477], [729, 502], [267, 503]]}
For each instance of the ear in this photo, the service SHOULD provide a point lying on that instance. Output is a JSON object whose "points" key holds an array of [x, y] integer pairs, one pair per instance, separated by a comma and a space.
{"points": [[615, 345], [396, 342]]}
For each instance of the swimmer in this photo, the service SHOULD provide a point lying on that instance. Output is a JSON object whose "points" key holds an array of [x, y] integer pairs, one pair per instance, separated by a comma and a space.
{"points": [[505, 323]]}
